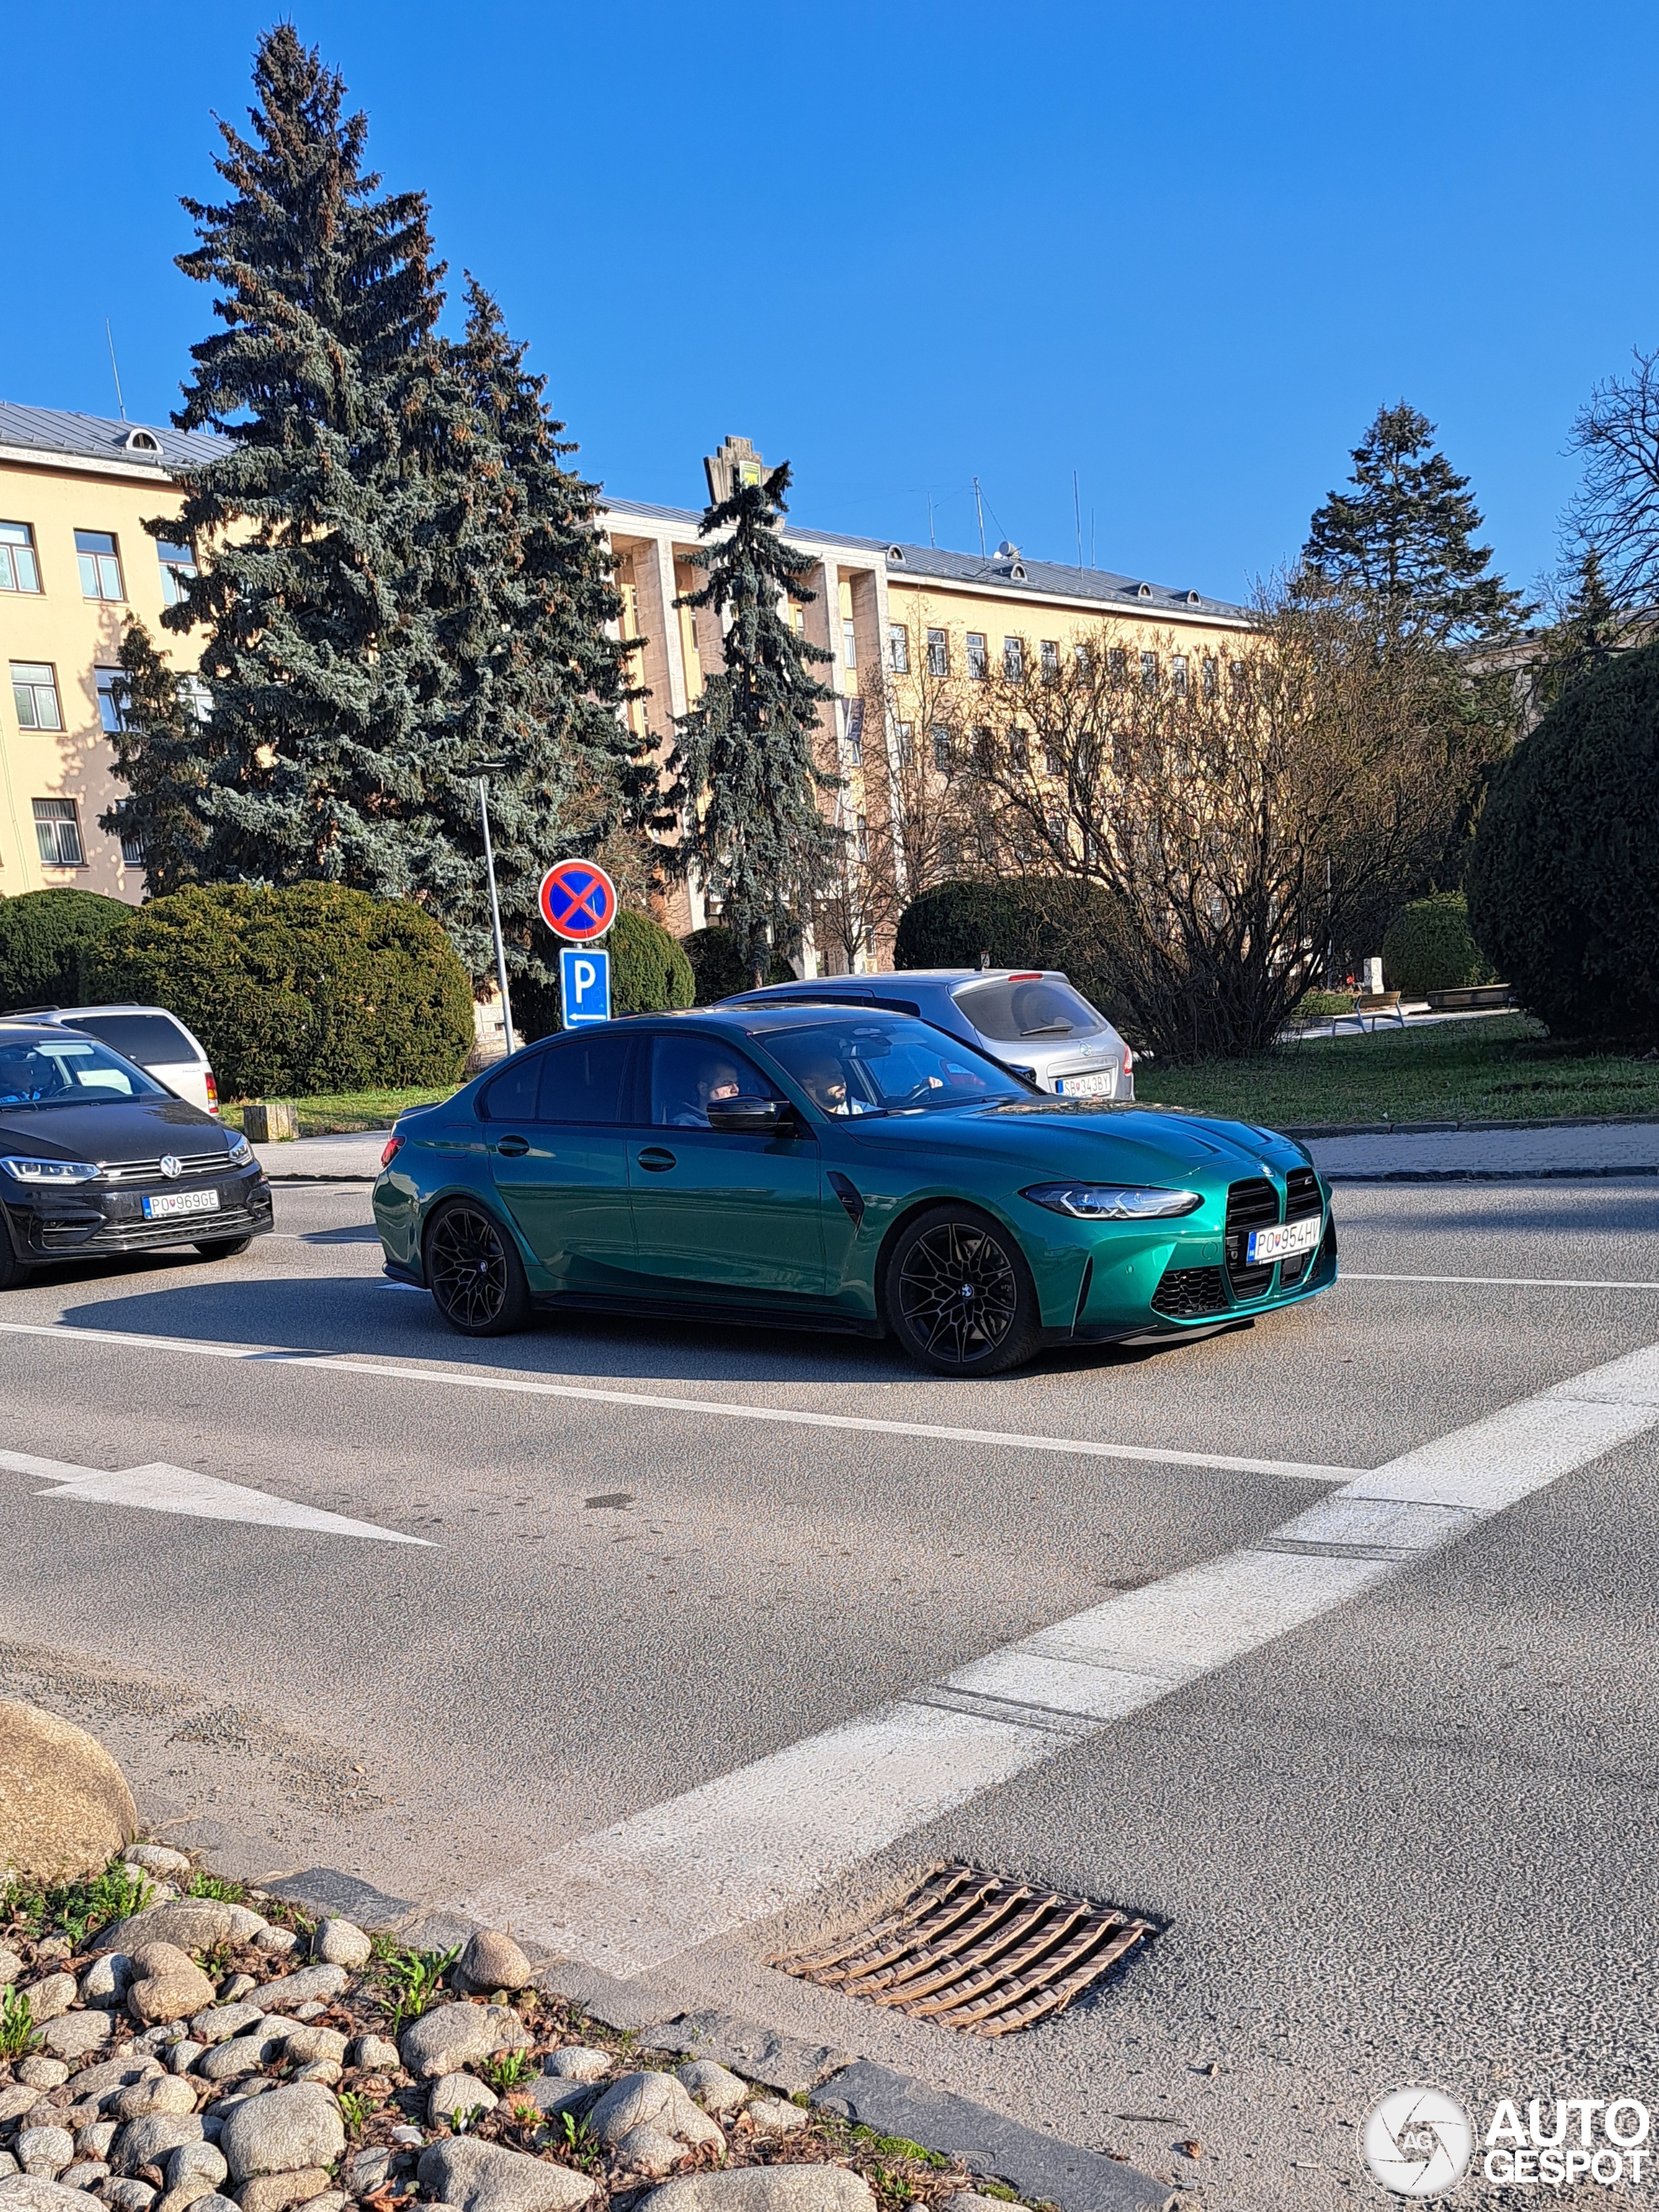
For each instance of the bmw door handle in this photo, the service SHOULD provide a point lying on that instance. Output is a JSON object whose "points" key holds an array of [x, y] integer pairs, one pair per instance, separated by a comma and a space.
{"points": [[656, 1160], [514, 1148]]}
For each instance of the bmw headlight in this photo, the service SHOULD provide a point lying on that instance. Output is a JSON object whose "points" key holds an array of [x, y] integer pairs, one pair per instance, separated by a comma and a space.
{"points": [[51, 1171], [242, 1152], [1112, 1201]]}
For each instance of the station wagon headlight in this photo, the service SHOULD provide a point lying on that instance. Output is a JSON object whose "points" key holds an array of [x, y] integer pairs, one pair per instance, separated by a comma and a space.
{"points": [[1112, 1201], [51, 1171], [242, 1152]]}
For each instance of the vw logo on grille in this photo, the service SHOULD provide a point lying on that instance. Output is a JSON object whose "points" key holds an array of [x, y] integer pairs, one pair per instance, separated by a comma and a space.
{"points": [[173, 1167]]}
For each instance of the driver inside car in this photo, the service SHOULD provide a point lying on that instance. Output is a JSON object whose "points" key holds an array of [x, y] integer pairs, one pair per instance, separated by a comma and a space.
{"points": [[824, 1079], [688, 1077]]}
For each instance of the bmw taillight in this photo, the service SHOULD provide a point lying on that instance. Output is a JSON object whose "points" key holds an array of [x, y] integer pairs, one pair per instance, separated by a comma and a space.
{"points": [[213, 1093], [394, 1144]]}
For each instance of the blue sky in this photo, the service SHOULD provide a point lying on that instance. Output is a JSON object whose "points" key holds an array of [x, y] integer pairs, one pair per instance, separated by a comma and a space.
{"points": [[1185, 250]]}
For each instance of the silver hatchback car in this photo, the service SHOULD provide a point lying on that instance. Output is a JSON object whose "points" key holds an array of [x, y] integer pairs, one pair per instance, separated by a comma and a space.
{"points": [[1030, 1018], [150, 1037]]}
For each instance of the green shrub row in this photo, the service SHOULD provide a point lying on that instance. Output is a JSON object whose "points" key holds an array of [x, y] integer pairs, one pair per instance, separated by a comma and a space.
{"points": [[1428, 947]]}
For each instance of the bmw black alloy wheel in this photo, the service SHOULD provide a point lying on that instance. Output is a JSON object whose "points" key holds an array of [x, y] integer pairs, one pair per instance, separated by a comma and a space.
{"points": [[958, 1292], [467, 1267]]}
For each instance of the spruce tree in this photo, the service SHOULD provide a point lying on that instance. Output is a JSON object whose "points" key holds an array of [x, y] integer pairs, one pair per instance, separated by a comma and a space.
{"points": [[164, 753], [744, 760], [1405, 533], [1588, 633]]}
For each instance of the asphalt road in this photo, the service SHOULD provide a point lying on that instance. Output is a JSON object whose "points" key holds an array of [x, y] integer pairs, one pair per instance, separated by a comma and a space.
{"points": [[1411, 1839]]}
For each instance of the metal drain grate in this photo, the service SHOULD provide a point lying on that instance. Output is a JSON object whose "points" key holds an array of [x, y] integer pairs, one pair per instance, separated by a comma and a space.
{"points": [[977, 1952]]}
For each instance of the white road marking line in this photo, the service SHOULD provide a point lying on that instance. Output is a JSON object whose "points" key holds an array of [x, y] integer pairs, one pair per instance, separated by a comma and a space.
{"points": [[740, 1848], [526, 1386], [1511, 1282], [159, 1488]]}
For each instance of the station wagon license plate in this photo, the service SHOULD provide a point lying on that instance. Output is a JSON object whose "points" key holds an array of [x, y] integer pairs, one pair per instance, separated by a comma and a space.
{"points": [[1085, 1087], [169, 1202], [1283, 1242]]}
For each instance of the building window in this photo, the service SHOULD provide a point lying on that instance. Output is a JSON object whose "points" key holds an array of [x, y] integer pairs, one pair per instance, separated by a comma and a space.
{"points": [[1080, 654], [849, 647], [1210, 676], [939, 654], [19, 570], [978, 662], [58, 832], [898, 648], [195, 698], [855, 732], [1019, 751], [177, 566], [1178, 674], [905, 735], [1149, 671], [864, 841], [943, 750], [1013, 658], [34, 691], [100, 565], [109, 681], [985, 751], [1053, 760], [1117, 665], [1238, 678], [1049, 654]]}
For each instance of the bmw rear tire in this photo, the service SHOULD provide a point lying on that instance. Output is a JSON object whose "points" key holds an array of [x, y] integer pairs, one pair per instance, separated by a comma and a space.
{"points": [[959, 1295], [476, 1277]]}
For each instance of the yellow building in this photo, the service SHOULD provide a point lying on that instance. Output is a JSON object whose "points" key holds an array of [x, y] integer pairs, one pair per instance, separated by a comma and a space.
{"points": [[75, 561]]}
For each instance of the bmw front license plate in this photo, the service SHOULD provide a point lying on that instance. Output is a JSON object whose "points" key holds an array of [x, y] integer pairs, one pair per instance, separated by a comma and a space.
{"points": [[169, 1202], [1084, 1086], [1282, 1243]]}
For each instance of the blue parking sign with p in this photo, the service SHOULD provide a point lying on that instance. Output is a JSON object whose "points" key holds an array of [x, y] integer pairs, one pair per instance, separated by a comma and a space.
{"points": [[585, 978]]}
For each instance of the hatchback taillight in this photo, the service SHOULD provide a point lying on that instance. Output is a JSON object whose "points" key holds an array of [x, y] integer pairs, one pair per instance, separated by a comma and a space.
{"points": [[213, 1093]]}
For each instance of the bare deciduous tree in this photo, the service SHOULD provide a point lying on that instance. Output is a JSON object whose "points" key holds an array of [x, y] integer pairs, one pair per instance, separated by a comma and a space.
{"points": [[1617, 509]]}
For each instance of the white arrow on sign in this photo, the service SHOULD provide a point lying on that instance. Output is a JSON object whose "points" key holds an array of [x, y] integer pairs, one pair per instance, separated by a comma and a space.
{"points": [[161, 1488]]}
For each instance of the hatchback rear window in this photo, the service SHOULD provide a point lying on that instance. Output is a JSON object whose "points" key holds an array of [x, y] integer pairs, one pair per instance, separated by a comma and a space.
{"points": [[1040, 1007], [150, 1039]]}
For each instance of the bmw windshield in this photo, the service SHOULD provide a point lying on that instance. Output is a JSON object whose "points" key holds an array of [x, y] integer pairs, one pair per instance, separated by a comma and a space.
{"points": [[67, 1071], [886, 1064]]}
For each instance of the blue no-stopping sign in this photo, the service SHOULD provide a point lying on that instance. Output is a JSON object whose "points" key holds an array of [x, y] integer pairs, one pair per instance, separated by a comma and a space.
{"points": [[584, 979]]}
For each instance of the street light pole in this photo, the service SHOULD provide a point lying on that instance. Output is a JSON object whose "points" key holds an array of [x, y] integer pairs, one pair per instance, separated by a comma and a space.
{"points": [[496, 914]]}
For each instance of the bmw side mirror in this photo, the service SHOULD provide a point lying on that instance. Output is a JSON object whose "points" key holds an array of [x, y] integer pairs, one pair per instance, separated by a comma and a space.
{"points": [[748, 1117]]}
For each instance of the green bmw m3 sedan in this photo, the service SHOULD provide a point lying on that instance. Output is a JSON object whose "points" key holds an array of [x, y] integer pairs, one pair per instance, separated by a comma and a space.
{"points": [[840, 1168]]}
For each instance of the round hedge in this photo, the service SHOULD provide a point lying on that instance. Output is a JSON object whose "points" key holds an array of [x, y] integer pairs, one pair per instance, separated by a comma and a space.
{"points": [[649, 975], [1564, 877], [718, 966], [1428, 947], [44, 938], [1025, 922], [310, 989]]}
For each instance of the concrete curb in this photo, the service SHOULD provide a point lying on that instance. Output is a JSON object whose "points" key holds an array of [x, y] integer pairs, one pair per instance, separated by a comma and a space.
{"points": [[1485, 1175], [1324, 1129]]}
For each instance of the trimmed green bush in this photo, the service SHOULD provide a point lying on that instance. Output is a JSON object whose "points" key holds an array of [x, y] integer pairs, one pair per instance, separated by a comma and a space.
{"points": [[315, 989], [649, 975], [1024, 922], [1427, 947], [45, 937], [1564, 877], [716, 964]]}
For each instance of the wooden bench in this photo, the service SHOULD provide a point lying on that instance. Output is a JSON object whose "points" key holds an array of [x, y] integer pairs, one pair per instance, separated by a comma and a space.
{"points": [[1375, 1006]]}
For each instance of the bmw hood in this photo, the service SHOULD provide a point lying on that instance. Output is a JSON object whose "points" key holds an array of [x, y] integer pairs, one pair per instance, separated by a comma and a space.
{"points": [[1140, 1145], [115, 1131]]}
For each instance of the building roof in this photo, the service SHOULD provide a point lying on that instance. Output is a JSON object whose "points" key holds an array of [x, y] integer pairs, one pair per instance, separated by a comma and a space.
{"points": [[53, 431]]}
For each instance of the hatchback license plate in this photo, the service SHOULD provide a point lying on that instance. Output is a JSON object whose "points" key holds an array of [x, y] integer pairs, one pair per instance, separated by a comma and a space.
{"points": [[1281, 1243], [169, 1202], [1084, 1086]]}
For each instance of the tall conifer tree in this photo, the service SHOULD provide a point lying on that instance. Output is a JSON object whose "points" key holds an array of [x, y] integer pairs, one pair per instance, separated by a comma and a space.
{"points": [[747, 774], [164, 754], [1404, 532]]}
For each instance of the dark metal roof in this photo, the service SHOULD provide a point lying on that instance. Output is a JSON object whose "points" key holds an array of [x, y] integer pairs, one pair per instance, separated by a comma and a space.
{"points": [[96, 438]]}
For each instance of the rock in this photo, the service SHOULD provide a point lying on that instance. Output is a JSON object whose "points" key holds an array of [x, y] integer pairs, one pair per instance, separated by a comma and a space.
{"points": [[15, 2099], [73, 2034], [275, 2192], [199, 2161], [156, 1859], [374, 2054], [651, 2101], [242, 2055], [410, 2138], [188, 2193], [162, 1998], [311, 1982], [764, 2188], [341, 1943], [367, 2170], [191, 1924], [129, 2196], [65, 1807], [49, 1997], [305, 2044], [218, 2023], [283, 2131], [578, 2061], [650, 2149], [147, 2141], [237, 1988], [551, 2094], [776, 2116], [8, 2164], [100, 2082], [42, 2073], [167, 2093], [713, 2086], [153, 2042], [23, 2192], [332, 2200], [85, 2173], [183, 2055], [493, 1962], [452, 2036], [105, 1979], [480, 2177], [94, 2140], [278, 1942], [456, 2095], [325, 2070], [214, 2205], [45, 2151], [10, 1966]]}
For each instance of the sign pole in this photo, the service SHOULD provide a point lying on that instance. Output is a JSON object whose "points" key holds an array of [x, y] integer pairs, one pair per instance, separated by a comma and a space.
{"points": [[496, 914]]}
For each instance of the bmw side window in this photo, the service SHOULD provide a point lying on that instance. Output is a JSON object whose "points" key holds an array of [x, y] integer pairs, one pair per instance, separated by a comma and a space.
{"points": [[511, 1095], [690, 1073], [587, 1081]]}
